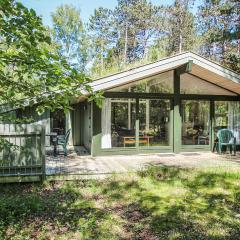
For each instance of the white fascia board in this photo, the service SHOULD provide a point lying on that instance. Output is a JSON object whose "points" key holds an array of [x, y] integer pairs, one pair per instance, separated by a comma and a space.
{"points": [[161, 66], [140, 72], [214, 67]]}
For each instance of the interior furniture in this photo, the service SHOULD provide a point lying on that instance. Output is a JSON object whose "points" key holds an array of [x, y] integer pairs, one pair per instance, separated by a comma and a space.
{"points": [[132, 140]]}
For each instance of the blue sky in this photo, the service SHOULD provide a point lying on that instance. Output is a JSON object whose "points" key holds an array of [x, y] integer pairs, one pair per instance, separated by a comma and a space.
{"points": [[45, 7]]}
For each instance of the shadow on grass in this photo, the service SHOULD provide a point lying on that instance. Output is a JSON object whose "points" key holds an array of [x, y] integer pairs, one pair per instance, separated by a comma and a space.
{"points": [[173, 203], [159, 203], [56, 210]]}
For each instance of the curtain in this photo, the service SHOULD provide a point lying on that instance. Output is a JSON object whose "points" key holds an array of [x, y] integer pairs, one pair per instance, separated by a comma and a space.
{"points": [[106, 123], [234, 119]]}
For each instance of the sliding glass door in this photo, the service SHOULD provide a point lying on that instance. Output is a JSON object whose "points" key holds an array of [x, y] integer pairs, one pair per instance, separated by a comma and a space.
{"points": [[154, 122], [118, 123], [195, 122], [120, 116]]}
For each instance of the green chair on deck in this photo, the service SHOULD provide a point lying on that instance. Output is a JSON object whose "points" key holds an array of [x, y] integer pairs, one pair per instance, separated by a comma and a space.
{"points": [[227, 139], [62, 140]]}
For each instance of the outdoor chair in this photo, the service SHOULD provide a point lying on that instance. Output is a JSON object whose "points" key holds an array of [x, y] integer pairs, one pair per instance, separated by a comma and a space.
{"points": [[227, 139], [62, 140]]}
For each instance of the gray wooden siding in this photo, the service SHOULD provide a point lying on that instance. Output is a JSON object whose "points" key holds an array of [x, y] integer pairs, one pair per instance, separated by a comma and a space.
{"points": [[26, 156], [43, 119]]}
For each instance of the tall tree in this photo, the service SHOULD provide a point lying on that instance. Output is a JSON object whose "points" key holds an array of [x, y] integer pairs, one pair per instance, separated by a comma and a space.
{"points": [[69, 33], [102, 33], [181, 27], [136, 21], [220, 25]]}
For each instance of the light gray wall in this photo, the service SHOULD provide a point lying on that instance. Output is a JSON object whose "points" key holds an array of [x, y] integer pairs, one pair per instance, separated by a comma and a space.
{"points": [[87, 125]]}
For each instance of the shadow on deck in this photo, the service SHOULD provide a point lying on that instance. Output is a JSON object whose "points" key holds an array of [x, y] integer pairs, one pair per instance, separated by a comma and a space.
{"points": [[80, 163]]}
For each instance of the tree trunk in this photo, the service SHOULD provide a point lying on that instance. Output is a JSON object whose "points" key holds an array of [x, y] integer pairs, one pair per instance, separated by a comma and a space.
{"points": [[126, 43], [102, 61], [180, 43]]}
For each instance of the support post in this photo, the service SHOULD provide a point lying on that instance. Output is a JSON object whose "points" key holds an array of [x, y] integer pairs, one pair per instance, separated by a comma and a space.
{"points": [[212, 119], [69, 126], [177, 120], [137, 124], [43, 157]]}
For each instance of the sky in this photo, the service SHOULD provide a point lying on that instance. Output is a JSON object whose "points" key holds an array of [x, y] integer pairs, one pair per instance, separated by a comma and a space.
{"points": [[46, 7]]}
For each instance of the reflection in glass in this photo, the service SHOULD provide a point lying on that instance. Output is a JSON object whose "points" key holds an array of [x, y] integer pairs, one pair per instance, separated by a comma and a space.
{"points": [[161, 83], [195, 122], [227, 116], [194, 85], [154, 122], [118, 123], [123, 123]]}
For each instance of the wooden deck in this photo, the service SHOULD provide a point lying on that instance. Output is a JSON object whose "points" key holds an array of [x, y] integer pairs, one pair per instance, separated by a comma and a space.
{"points": [[86, 165]]}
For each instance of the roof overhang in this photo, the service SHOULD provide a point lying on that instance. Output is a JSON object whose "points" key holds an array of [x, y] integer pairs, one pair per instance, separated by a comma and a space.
{"points": [[201, 67]]}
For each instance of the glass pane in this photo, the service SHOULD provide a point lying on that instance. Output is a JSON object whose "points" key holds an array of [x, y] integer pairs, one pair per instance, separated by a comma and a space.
{"points": [[221, 115], [195, 122], [58, 122], [227, 116], [193, 85], [154, 122], [123, 118], [161, 83]]}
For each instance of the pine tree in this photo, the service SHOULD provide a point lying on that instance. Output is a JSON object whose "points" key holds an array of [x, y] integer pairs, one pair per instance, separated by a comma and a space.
{"points": [[181, 27], [102, 36], [220, 27]]}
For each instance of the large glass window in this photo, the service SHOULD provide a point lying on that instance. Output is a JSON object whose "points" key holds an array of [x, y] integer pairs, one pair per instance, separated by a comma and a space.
{"points": [[161, 83], [118, 123], [195, 122], [154, 122], [194, 85], [227, 116]]}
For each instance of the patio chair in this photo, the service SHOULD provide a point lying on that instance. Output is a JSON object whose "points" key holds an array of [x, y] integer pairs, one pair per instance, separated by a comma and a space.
{"points": [[62, 140], [227, 139]]}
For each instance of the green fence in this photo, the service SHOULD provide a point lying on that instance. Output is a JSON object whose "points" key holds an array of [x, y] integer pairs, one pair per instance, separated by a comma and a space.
{"points": [[23, 154]]}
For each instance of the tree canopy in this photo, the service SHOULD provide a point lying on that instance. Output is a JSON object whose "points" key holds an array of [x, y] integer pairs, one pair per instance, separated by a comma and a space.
{"points": [[30, 68], [69, 33], [138, 31]]}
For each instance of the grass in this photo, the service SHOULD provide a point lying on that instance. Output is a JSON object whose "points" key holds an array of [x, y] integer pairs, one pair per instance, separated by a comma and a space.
{"points": [[159, 203]]}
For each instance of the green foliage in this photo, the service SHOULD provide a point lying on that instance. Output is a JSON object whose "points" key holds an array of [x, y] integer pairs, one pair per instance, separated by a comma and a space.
{"points": [[219, 25], [70, 35], [137, 32], [182, 34], [30, 70]]}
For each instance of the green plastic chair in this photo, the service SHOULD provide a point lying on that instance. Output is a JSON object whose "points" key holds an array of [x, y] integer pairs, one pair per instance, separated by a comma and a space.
{"points": [[226, 138], [62, 140]]}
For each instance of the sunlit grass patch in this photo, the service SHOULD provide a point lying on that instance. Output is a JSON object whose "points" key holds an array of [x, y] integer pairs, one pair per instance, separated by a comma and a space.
{"points": [[159, 203]]}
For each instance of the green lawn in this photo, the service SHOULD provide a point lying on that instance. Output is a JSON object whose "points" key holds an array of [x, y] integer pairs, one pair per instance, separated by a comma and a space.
{"points": [[161, 203]]}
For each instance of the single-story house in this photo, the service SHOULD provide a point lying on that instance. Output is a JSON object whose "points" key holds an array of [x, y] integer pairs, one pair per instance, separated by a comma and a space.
{"points": [[176, 104]]}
